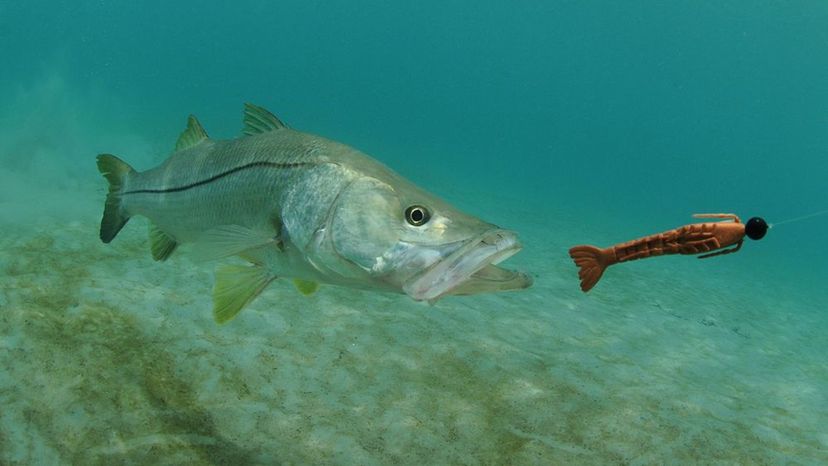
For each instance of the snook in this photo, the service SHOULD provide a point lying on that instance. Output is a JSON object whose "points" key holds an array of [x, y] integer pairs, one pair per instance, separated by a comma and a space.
{"points": [[304, 207]]}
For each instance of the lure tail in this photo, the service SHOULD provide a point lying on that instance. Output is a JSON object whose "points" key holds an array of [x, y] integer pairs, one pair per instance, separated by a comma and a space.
{"points": [[591, 262]]}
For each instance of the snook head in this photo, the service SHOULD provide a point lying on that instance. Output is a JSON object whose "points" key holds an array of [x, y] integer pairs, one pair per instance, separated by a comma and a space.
{"points": [[397, 236]]}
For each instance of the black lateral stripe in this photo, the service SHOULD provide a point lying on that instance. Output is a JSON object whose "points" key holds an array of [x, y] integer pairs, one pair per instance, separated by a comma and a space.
{"points": [[219, 176]]}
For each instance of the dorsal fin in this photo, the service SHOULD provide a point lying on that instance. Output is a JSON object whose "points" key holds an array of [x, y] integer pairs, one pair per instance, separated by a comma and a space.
{"points": [[192, 135], [258, 120]]}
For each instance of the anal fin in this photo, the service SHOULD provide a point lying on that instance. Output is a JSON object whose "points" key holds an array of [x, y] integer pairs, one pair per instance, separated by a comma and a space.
{"points": [[162, 245], [236, 286]]}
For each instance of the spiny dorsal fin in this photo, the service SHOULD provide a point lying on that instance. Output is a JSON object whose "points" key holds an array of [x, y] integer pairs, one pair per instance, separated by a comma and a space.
{"points": [[162, 245], [258, 120], [192, 135], [236, 286]]}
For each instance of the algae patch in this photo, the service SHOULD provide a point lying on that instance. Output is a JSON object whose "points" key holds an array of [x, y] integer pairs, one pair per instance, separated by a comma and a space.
{"points": [[111, 358], [85, 381]]}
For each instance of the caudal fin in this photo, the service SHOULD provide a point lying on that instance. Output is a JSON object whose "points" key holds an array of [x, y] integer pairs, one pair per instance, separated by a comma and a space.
{"points": [[115, 171], [591, 265]]}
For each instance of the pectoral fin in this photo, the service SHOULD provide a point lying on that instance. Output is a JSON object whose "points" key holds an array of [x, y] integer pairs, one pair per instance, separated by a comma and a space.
{"points": [[305, 287], [231, 240], [236, 286]]}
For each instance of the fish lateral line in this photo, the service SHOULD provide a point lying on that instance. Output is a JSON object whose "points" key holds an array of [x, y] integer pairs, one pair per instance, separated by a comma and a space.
{"points": [[278, 165], [347, 209]]}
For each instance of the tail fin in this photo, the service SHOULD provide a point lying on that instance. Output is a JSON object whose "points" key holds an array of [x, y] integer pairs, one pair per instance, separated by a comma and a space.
{"points": [[591, 265], [114, 170]]}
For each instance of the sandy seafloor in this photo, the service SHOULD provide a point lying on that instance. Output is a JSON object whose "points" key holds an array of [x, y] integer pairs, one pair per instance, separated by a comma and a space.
{"points": [[111, 358]]}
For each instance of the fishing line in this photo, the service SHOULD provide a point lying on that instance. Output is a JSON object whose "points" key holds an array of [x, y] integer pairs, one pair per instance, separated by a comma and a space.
{"points": [[796, 219]]}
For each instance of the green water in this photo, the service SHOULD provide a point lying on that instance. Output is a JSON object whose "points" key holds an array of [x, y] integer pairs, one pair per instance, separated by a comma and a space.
{"points": [[569, 122]]}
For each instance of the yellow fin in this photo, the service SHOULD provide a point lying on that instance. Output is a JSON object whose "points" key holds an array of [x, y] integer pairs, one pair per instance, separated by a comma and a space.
{"points": [[257, 120], [192, 135], [162, 245], [236, 286], [305, 287], [114, 218]]}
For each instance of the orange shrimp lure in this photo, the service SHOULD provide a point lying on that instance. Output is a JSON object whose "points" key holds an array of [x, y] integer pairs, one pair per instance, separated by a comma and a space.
{"points": [[708, 239]]}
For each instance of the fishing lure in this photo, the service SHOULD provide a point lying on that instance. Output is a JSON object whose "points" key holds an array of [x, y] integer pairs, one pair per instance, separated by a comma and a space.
{"points": [[709, 239]]}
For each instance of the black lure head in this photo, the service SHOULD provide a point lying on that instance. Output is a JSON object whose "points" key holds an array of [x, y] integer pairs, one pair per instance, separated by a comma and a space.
{"points": [[756, 227]]}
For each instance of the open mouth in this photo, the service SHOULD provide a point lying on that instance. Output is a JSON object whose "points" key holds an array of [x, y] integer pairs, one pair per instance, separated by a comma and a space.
{"points": [[471, 269]]}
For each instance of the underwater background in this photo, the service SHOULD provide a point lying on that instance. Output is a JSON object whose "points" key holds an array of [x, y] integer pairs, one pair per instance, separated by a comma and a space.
{"points": [[569, 121]]}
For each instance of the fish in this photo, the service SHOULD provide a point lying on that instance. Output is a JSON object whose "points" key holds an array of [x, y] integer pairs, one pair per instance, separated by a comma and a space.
{"points": [[298, 206]]}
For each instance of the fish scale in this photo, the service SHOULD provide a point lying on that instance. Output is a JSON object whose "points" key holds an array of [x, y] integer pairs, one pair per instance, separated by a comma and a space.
{"points": [[258, 191], [301, 206]]}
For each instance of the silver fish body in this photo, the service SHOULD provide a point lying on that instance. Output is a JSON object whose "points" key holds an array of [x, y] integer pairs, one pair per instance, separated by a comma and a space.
{"points": [[301, 206]]}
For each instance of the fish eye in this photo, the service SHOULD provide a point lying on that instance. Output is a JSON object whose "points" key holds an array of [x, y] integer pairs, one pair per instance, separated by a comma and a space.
{"points": [[417, 215]]}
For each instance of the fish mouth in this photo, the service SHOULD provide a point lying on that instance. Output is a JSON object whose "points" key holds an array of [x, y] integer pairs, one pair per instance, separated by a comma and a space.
{"points": [[471, 269]]}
